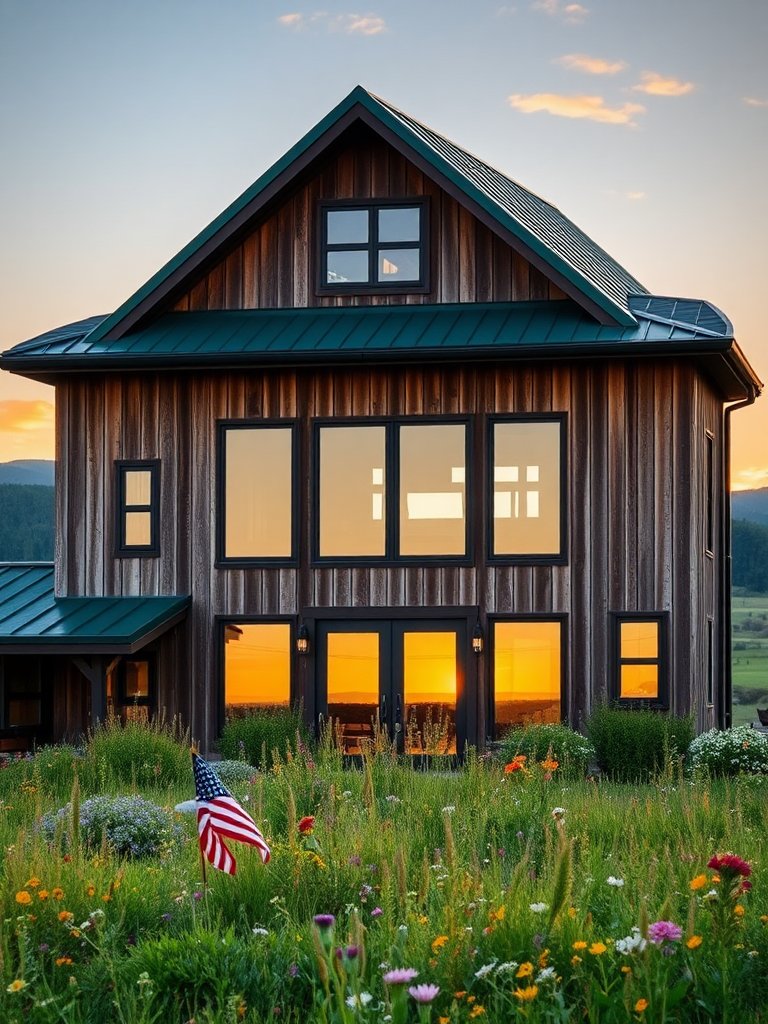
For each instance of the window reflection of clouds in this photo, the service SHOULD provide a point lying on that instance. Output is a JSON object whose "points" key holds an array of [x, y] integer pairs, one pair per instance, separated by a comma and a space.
{"points": [[352, 507], [432, 518], [526, 493]]}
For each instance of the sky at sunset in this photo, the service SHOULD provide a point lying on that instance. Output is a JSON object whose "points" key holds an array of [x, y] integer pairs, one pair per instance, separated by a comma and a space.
{"points": [[126, 127]]}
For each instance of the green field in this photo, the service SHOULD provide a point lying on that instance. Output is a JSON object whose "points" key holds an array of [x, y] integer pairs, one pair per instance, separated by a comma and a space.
{"points": [[750, 657]]}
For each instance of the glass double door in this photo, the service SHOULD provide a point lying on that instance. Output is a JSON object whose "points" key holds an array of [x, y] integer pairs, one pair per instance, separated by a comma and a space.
{"points": [[402, 676]]}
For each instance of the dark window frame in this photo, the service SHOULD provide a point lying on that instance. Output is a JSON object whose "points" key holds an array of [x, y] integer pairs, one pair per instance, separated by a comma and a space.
{"points": [[662, 661], [122, 549], [709, 496], [373, 247], [222, 426], [220, 622], [560, 557], [390, 558], [490, 647], [121, 698], [710, 662]]}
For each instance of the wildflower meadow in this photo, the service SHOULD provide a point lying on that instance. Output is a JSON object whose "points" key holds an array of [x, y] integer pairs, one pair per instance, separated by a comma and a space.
{"points": [[498, 890]]}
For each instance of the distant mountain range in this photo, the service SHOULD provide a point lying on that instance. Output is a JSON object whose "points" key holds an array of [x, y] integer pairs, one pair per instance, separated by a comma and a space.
{"points": [[751, 505], [27, 471]]}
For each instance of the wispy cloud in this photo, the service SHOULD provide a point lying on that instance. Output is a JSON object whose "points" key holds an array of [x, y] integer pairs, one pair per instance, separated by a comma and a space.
{"points": [[592, 65], [352, 24], [505, 10], [753, 101], [25, 416], [591, 108], [747, 479], [634, 196], [570, 13], [654, 84]]}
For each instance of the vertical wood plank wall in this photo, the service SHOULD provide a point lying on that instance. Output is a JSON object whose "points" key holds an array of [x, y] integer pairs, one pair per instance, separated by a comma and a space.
{"points": [[636, 506]]}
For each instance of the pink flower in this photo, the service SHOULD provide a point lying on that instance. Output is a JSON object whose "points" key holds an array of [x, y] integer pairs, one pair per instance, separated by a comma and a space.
{"points": [[730, 864], [400, 976], [423, 993], [377, 912], [664, 931]]}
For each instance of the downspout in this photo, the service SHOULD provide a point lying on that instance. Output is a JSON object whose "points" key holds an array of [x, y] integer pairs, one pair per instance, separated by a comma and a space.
{"points": [[726, 583]]}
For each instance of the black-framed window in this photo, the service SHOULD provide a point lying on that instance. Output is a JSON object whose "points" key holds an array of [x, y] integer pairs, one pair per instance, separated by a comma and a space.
{"points": [[528, 671], [257, 664], [131, 687], [391, 491], [527, 493], [709, 497], [256, 492], [640, 657], [373, 245], [138, 508]]}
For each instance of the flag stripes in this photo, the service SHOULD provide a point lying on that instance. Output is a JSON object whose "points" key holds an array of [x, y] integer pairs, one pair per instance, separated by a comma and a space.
{"points": [[219, 815]]}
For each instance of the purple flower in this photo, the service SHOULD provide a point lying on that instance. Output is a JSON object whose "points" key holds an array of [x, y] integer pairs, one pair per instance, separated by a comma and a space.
{"points": [[423, 993], [293, 970], [664, 931], [351, 952], [377, 912], [400, 976], [324, 921], [197, 896], [355, 861], [43, 947]]}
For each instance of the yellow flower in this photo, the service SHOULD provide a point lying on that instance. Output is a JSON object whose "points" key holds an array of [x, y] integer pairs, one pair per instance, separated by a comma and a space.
{"points": [[641, 1005], [626, 970], [471, 999], [439, 942], [66, 915], [107, 897], [57, 893], [34, 883], [571, 912], [764, 919], [694, 942], [476, 1010], [738, 910], [525, 995], [16, 986], [543, 958], [597, 948], [525, 970], [575, 960], [580, 945], [715, 879], [497, 915], [422, 919], [75, 933], [23, 897], [443, 1020]]}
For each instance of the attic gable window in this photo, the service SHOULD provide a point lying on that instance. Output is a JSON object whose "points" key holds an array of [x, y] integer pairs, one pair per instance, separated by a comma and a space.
{"points": [[138, 509], [373, 246]]}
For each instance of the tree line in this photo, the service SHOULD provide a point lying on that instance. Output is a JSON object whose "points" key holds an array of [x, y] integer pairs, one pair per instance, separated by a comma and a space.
{"points": [[26, 523]]}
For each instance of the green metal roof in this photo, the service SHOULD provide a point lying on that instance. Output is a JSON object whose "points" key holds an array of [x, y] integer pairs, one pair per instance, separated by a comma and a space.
{"points": [[31, 616], [321, 334], [536, 223]]}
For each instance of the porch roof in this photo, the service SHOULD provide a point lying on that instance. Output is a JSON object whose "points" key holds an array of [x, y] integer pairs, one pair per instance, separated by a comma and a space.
{"points": [[34, 620]]}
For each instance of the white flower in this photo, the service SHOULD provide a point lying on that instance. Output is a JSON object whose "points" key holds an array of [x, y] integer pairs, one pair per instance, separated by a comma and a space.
{"points": [[633, 943], [538, 908], [258, 930], [616, 882], [507, 967], [485, 969], [546, 975], [449, 809], [558, 812], [392, 799], [347, 794], [357, 1001]]}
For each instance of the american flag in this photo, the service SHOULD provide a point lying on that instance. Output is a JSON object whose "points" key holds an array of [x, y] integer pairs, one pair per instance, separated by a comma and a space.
{"points": [[219, 815]]}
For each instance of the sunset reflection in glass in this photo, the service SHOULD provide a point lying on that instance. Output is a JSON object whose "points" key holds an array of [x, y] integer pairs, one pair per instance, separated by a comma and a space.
{"points": [[433, 489], [527, 667], [353, 685], [257, 665], [258, 493], [352, 492], [429, 678]]}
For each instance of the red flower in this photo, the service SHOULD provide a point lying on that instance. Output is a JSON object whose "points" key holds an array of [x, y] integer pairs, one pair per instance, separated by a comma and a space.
{"points": [[306, 825], [730, 864]]}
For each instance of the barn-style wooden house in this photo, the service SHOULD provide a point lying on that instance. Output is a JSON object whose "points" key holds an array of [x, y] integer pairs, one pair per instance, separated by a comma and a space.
{"points": [[391, 436]]}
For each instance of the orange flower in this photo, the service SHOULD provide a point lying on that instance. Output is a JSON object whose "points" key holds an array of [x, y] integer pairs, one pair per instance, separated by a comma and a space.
{"points": [[66, 915], [641, 1005], [517, 762], [57, 893], [626, 970], [23, 897], [498, 915], [34, 883], [549, 765], [738, 910], [697, 883], [90, 890], [62, 960], [439, 942], [476, 1011], [597, 948], [460, 995], [580, 944], [694, 942], [543, 958], [526, 995]]}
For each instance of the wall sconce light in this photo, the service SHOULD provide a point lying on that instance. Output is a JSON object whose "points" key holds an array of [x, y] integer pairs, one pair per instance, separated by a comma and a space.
{"points": [[477, 639], [302, 639]]}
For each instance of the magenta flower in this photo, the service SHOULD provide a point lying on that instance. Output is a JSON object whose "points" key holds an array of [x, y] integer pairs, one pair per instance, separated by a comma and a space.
{"points": [[423, 993], [730, 864], [377, 912], [324, 921], [664, 931], [400, 976]]}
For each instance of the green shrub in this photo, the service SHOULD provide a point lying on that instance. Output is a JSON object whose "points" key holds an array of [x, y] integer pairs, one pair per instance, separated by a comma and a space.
{"points": [[729, 752], [234, 773], [139, 753], [632, 744], [255, 737], [570, 749]]}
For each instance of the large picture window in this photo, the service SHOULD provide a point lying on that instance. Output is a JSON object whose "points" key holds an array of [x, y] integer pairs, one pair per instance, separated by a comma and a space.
{"points": [[256, 467], [373, 246], [257, 666], [395, 491], [527, 673], [639, 657], [527, 489], [138, 508]]}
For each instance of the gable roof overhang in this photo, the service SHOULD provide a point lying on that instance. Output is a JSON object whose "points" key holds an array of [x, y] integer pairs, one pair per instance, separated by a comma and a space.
{"points": [[536, 229], [519, 331], [34, 621]]}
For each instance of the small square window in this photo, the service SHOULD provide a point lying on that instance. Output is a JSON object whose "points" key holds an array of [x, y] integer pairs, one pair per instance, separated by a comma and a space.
{"points": [[373, 246], [138, 509], [640, 658]]}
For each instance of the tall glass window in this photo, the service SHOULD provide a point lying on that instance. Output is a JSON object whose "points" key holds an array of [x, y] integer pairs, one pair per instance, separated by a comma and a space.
{"points": [[432, 489], [352, 492], [258, 489], [257, 666], [526, 484], [527, 670]]}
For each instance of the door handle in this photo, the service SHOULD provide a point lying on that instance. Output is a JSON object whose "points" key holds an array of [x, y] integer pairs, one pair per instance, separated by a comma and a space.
{"points": [[383, 709], [398, 725]]}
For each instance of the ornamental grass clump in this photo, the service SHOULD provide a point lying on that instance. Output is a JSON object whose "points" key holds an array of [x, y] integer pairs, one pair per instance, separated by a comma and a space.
{"points": [[137, 753], [635, 744], [728, 752], [129, 825], [264, 736]]}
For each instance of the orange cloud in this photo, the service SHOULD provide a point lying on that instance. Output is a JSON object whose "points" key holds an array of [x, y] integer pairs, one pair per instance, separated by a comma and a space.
{"points": [[753, 101], [653, 84], [591, 108], [26, 429], [291, 20], [571, 13], [748, 479], [592, 65], [352, 24], [635, 196]]}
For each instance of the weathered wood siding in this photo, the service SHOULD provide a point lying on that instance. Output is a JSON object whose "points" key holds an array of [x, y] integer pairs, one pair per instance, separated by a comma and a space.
{"points": [[274, 266], [636, 506]]}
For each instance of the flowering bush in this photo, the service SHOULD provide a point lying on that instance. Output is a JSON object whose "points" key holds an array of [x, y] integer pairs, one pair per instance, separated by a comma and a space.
{"points": [[729, 752], [234, 773], [570, 749], [131, 825]]}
